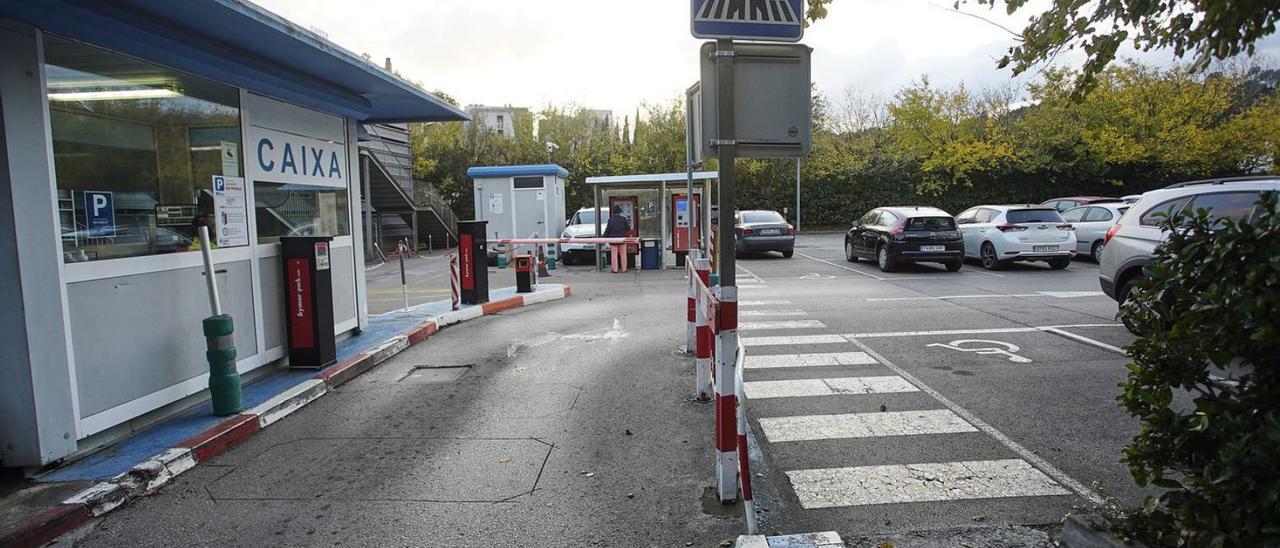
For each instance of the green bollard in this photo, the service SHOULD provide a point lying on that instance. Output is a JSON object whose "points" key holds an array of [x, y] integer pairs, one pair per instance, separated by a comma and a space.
{"points": [[715, 280], [502, 260], [224, 380]]}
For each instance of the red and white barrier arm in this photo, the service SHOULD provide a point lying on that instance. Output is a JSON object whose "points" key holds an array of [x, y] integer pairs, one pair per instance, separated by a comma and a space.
{"points": [[691, 320], [548, 241], [704, 304]]}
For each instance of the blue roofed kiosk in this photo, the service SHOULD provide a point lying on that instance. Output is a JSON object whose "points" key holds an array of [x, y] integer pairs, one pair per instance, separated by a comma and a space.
{"points": [[117, 117]]}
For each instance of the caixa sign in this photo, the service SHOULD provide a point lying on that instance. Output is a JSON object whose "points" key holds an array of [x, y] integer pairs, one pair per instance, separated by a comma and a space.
{"points": [[281, 157]]}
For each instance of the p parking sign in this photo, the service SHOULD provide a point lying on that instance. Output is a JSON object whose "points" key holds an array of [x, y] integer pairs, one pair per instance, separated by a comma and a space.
{"points": [[100, 214], [762, 20]]}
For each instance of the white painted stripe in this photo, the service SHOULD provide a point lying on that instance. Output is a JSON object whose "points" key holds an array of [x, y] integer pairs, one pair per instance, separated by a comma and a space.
{"points": [[763, 361], [975, 331], [769, 302], [781, 324], [771, 313], [826, 387], [841, 267], [749, 273], [1072, 294], [1085, 340], [863, 425], [1035, 460], [1055, 294], [793, 339], [899, 483]]}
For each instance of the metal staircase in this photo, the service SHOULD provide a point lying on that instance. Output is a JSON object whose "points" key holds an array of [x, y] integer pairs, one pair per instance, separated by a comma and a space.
{"points": [[394, 191]]}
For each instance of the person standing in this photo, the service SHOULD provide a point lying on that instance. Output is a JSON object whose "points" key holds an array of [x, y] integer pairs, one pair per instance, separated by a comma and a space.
{"points": [[617, 227]]}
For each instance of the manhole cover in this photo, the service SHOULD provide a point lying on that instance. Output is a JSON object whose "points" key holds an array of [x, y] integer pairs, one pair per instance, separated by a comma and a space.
{"points": [[429, 374]]}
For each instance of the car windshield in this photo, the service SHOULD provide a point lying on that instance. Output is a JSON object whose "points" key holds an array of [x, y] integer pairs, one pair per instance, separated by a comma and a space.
{"points": [[931, 223], [584, 217], [1017, 216], [762, 217]]}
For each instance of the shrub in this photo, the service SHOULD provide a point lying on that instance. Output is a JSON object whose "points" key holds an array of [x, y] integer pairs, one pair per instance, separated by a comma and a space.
{"points": [[1209, 314]]}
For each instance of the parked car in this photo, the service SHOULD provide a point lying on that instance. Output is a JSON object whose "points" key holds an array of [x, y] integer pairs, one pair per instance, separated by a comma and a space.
{"points": [[760, 230], [892, 236], [998, 235], [1130, 244], [1063, 204], [1091, 223], [1131, 199], [582, 225]]}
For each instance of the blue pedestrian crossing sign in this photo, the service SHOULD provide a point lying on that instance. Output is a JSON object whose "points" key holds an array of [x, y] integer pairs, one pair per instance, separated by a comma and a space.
{"points": [[763, 20]]}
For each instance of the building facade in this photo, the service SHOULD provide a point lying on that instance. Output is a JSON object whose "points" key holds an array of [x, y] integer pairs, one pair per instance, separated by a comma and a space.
{"points": [[126, 125], [500, 121]]}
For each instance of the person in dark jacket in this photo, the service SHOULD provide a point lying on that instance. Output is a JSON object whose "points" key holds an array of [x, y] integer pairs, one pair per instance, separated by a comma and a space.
{"points": [[617, 228]]}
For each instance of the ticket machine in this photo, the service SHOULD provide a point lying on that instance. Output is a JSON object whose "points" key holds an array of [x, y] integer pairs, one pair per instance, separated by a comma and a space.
{"points": [[684, 225]]}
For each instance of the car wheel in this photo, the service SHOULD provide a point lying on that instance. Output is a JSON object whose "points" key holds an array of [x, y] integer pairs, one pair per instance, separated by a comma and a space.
{"points": [[849, 255], [1097, 252], [788, 253], [883, 260], [1126, 293], [989, 260], [954, 266], [1060, 264]]}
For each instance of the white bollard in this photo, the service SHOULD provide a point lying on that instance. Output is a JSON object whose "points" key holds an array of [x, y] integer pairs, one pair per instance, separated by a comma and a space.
{"points": [[726, 400]]}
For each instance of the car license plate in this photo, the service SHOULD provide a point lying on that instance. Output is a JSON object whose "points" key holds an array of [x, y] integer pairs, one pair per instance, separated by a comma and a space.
{"points": [[1044, 248], [771, 232], [931, 248]]}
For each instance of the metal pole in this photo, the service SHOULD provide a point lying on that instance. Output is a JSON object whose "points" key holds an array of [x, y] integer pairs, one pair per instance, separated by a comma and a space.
{"points": [[404, 286], [211, 281], [727, 315], [797, 195], [368, 203], [726, 151], [596, 214]]}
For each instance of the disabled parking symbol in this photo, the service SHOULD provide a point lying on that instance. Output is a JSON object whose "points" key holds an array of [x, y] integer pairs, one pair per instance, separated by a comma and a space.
{"points": [[986, 347]]}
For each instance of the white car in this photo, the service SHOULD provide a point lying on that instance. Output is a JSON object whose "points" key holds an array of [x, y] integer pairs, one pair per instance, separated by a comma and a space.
{"points": [[1092, 223], [998, 235], [582, 225]]}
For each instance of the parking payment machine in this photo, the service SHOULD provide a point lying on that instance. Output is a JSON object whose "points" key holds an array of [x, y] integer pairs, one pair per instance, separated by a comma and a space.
{"points": [[309, 301], [684, 228], [473, 262]]}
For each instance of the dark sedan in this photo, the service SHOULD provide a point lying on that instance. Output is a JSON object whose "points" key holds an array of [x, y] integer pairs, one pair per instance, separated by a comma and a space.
{"points": [[895, 235], [759, 231]]}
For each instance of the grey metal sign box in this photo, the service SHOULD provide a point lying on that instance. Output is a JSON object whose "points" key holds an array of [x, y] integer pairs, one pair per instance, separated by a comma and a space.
{"points": [[772, 101]]}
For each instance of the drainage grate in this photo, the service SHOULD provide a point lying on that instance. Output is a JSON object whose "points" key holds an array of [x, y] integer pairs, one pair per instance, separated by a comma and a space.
{"points": [[430, 374]]}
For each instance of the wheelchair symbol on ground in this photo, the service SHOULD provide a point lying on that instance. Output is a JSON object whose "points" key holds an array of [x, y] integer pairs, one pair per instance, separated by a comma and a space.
{"points": [[987, 348], [817, 276]]}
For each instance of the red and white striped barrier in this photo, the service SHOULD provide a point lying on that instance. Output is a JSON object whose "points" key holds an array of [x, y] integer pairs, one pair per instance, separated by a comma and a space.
{"points": [[453, 281], [744, 461], [523, 241], [725, 325], [700, 271], [691, 306]]}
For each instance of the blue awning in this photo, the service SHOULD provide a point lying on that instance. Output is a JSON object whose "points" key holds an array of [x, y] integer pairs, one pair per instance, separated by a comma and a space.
{"points": [[238, 43], [516, 171]]}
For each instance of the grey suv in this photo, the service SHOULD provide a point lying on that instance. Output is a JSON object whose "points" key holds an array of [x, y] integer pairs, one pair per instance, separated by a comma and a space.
{"points": [[1132, 241]]}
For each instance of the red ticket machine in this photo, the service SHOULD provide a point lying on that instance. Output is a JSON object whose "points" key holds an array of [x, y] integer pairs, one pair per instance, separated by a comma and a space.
{"points": [[684, 225], [473, 257], [309, 301]]}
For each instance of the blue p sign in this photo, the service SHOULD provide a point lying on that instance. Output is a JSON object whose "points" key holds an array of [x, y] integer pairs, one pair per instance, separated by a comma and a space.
{"points": [[100, 214]]}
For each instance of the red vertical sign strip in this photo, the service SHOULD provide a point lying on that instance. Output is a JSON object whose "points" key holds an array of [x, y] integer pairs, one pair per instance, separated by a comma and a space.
{"points": [[301, 328], [466, 254]]}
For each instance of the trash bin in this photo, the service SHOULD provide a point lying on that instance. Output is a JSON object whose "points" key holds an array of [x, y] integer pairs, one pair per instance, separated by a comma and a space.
{"points": [[308, 303], [650, 254]]}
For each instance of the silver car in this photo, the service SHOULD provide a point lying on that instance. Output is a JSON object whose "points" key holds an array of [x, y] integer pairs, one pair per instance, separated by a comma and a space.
{"points": [[1132, 241], [1091, 223]]}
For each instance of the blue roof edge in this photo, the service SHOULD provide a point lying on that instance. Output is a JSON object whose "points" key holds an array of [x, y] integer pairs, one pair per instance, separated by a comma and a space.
{"points": [[490, 172]]}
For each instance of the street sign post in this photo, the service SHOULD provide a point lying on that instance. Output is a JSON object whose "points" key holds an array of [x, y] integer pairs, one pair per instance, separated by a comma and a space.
{"points": [[772, 101], [764, 20]]}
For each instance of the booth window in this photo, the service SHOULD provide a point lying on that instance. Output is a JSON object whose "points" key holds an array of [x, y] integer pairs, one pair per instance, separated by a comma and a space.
{"points": [[136, 147], [300, 210]]}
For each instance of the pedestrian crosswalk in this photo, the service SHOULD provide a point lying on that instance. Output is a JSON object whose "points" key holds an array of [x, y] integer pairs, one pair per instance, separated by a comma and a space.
{"points": [[781, 371]]}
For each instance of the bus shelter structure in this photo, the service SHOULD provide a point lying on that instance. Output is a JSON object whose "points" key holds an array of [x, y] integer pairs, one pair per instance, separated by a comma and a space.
{"points": [[657, 208]]}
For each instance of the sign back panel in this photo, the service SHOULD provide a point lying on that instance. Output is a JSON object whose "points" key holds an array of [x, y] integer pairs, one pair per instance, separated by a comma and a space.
{"points": [[763, 20]]}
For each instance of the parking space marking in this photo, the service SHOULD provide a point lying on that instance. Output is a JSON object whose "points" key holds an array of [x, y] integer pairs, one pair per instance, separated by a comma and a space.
{"points": [[1084, 339], [749, 273], [883, 278], [792, 340], [771, 313], [780, 324], [863, 425], [765, 302], [827, 387], [765, 361], [1027, 329], [842, 267], [1054, 294], [898, 483], [1030, 457]]}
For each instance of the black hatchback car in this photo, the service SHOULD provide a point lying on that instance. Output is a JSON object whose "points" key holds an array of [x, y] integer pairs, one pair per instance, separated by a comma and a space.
{"points": [[763, 231], [895, 235]]}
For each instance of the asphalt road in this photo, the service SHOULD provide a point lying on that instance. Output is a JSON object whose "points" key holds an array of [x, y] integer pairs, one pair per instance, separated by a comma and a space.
{"points": [[571, 423]]}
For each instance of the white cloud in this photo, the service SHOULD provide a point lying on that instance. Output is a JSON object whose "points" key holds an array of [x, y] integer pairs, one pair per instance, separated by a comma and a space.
{"points": [[614, 54]]}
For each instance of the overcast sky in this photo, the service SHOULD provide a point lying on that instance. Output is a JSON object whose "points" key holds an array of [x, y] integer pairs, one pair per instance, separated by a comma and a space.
{"points": [[615, 54]]}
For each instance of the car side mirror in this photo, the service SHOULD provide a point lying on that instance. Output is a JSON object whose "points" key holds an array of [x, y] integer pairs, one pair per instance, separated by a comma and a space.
{"points": [[855, 224]]}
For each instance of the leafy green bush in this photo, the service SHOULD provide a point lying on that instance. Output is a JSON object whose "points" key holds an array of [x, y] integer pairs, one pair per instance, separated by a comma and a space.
{"points": [[1205, 384]]}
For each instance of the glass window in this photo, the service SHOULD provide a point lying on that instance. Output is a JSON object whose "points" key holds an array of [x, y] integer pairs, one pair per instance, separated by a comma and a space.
{"points": [[966, 217], [930, 223], [528, 182], [1074, 215], [1159, 213], [300, 210], [762, 217], [1097, 214], [870, 217], [1016, 216], [986, 215], [135, 149], [1236, 206], [888, 218]]}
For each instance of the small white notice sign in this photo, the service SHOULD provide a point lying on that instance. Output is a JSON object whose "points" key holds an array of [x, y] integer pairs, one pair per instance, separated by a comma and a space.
{"points": [[495, 203], [229, 204]]}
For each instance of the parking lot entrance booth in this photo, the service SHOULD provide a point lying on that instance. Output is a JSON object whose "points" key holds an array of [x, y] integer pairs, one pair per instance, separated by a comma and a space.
{"points": [[308, 282], [521, 201], [473, 262], [656, 199]]}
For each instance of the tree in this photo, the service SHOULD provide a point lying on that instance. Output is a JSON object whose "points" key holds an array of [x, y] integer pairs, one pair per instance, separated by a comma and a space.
{"points": [[1208, 29]]}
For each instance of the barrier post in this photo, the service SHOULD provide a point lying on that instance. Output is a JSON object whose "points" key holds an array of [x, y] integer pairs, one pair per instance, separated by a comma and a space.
{"points": [[744, 466], [704, 340], [690, 330], [726, 401], [453, 279]]}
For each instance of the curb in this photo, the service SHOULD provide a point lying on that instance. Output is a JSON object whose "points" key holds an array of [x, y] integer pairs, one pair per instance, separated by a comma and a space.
{"points": [[1081, 532], [149, 475], [827, 539]]}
